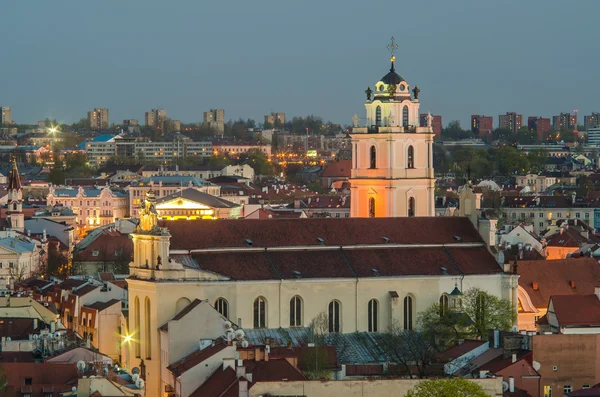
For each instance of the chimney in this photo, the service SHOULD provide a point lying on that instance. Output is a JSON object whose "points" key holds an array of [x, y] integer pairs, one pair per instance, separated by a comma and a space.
{"points": [[496, 339], [511, 384], [572, 283], [514, 358], [536, 287]]}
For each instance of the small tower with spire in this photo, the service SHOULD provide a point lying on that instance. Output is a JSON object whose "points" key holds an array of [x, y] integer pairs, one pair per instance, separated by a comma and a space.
{"points": [[14, 214]]}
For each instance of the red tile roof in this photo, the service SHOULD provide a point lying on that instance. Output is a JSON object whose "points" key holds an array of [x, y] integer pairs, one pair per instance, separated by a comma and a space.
{"points": [[85, 290], [103, 305], [196, 358], [553, 277], [217, 384], [576, 310], [273, 370], [337, 168], [569, 238], [347, 263], [106, 244], [44, 376], [342, 231]]}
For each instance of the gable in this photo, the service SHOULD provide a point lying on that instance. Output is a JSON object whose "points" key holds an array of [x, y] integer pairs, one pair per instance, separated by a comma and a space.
{"points": [[181, 203]]}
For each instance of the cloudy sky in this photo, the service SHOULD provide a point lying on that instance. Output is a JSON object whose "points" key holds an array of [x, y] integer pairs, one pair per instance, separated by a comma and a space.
{"points": [[62, 58]]}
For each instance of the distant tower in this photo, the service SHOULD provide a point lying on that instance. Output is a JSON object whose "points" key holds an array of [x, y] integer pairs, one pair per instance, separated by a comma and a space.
{"points": [[14, 215], [392, 157]]}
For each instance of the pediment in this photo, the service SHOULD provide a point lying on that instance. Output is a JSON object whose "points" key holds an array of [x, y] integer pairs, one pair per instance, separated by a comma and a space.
{"points": [[180, 203]]}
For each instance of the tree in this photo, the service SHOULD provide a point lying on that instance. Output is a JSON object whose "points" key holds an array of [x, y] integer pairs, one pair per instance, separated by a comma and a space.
{"points": [[58, 262], [456, 387], [487, 312], [219, 160], [315, 360], [258, 161], [472, 315], [410, 349]]}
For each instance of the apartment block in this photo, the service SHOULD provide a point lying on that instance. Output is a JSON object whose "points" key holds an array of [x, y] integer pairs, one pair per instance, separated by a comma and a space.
{"points": [[436, 123], [215, 119], [591, 121], [5, 115], [275, 118], [98, 118], [540, 125], [482, 125], [155, 118], [510, 120], [566, 121]]}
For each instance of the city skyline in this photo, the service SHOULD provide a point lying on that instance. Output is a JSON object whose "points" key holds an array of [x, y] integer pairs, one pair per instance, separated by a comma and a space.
{"points": [[313, 72]]}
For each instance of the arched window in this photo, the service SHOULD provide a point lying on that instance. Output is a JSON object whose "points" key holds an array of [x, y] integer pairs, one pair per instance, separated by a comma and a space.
{"points": [[181, 304], [411, 206], [136, 326], [408, 313], [334, 316], [410, 157], [443, 305], [405, 116], [260, 312], [373, 157], [371, 207], [373, 315], [296, 311], [378, 116], [222, 307], [148, 335]]}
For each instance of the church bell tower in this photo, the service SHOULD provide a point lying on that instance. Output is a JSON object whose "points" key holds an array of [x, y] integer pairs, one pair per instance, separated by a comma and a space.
{"points": [[392, 158], [14, 215]]}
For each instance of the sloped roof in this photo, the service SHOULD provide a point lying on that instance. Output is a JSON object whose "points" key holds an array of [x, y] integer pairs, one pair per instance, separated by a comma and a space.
{"points": [[337, 168], [86, 289], [217, 384], [181, 314], [576, 310], [191, 360], [553, 277], [199, 197], [103, 305], [335, 232]]}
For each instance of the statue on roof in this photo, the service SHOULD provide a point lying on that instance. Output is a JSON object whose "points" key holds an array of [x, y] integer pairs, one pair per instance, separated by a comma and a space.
{"points": [[148, 215], [416, 91], [368, 91], [355, 119]]}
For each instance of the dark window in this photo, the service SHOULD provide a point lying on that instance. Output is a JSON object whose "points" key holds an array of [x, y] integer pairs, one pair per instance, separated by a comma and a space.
{"points": [[373, 315], [378, 116], [260, 307], [443, 305], [408, 313], [371, 207], [334, 316], [410, 158], [28, 381], [411, 206], [296, 312], [373, 163], [405, 116], [222, 307]]}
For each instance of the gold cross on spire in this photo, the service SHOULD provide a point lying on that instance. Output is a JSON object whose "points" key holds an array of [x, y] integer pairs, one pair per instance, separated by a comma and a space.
{"points": [[392, 47]]}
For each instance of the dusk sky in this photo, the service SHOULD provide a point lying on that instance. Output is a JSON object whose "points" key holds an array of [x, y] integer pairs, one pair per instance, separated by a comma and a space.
{"points": [[62, 58]]}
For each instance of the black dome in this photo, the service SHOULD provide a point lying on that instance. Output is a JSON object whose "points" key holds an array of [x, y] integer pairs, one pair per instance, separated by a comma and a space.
{"points": [[392, 77]]}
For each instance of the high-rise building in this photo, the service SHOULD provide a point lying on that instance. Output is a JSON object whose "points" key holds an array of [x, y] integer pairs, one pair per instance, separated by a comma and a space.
{"points": [[130, 123], [98, 119], [591, 121], [510, 120], [275, 119], [566, 121], [593, 137], [540, 125], [5, 115], [155, 118], [215, 119], [482, 125], [436, 123], [392, 172]]}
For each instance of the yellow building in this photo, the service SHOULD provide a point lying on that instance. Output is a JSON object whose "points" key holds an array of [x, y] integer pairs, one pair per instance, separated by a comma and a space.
{"points": [[192, 204]]}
